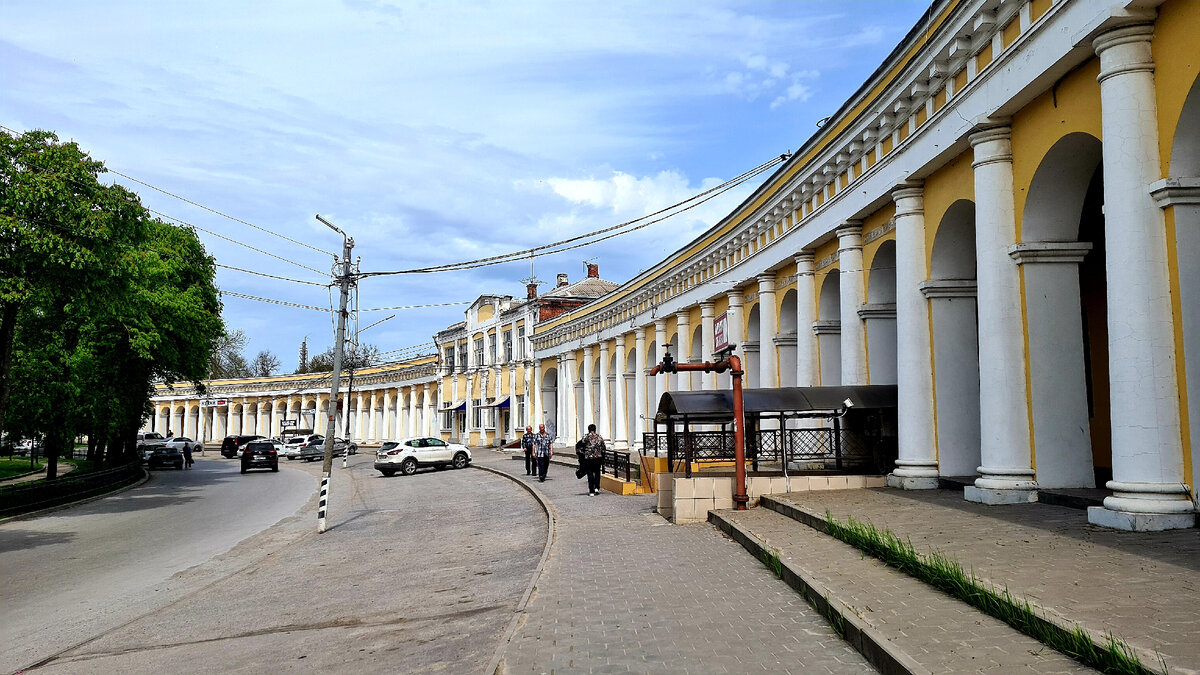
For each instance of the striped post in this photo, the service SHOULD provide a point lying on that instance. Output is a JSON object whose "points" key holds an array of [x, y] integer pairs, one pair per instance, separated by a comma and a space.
{"points": [[321, 507]]}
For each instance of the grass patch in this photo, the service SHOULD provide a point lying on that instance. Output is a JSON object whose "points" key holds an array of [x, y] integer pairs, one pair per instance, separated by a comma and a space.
{"points": [[770, 558], [17, 466], [948, 575]]}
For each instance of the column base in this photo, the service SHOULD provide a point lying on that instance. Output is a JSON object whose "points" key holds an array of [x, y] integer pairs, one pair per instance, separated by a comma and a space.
{"points": [[994, 496], [1140, 522], [1144, 507], [912, 482]]}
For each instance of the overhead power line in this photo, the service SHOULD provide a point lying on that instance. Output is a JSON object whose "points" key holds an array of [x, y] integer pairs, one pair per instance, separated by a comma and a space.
{"points": [[270, 300], [594, 236], [270, 276], [435, 304], [234, 241]]}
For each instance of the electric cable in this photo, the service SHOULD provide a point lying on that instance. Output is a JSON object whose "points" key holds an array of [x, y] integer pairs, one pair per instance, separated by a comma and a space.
{"points": [[270, 276], [234, 241], [270, 300]]}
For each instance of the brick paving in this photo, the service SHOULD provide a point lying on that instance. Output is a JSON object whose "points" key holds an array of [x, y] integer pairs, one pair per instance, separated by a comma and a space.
{"points": [[936, 632], [1140, 586], [625, 591]]}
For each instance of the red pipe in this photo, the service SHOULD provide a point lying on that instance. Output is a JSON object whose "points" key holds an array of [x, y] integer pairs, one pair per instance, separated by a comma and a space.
{"points": [[733, 364]]}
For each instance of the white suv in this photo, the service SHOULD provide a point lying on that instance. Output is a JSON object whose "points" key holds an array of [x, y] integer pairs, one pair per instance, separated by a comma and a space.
{"points": [[408, 454]]}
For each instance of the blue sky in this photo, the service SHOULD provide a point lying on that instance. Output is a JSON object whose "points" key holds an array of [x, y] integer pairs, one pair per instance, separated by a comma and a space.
{"points": [[432, 132]]}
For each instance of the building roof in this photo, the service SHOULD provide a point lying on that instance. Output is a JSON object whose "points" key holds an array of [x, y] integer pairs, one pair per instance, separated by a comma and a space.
{"points": [[588, 287]]}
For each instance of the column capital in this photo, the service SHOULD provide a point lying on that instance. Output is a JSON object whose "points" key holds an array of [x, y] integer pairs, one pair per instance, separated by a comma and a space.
{"points": [[849, 235], [805, 262], [683, 315], [604, 347], [620, 340], [587, 350], [660, 324], [1071, 252], [736, 297], [909, 198], [992, 142], [707, 309], [1124, 49], [766, 283]]}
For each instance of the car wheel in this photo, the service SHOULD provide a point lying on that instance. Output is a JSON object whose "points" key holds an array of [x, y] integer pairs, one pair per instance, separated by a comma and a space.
{"points": [[461, 461], [408, 467], [275, 467], [388, 472]]}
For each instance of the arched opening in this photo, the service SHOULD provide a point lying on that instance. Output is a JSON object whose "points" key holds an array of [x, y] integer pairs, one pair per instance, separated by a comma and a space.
{"points": [[628, 380], [951, 293], [751, 348], [549, 392], [309, 417], [1066, 309], [880, 315], [1184, 210], [191, 428], [829, 329], [786, 341], [264, 411]]}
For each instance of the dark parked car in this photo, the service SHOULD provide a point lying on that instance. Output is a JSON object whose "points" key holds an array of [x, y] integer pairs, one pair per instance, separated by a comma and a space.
{"points": [[161, 458], [261, 453], [232, 445]]}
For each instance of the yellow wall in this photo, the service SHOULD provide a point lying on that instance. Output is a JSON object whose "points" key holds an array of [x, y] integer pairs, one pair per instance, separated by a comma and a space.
{"points": [[485, 313], [952, 182], [1074, 106], [1176, 67]]}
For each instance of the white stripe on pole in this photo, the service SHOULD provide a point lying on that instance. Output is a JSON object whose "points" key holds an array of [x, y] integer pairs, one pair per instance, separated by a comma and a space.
{"points": [[324, 501]]}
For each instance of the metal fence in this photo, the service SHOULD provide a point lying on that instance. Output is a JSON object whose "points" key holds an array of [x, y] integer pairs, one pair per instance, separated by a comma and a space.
{"points": [[820, 448], [617, 463], [37, 495]]}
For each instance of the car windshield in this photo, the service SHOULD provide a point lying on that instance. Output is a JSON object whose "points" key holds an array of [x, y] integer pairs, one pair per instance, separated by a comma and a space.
{"points": [[389, 445], [258, 445]]}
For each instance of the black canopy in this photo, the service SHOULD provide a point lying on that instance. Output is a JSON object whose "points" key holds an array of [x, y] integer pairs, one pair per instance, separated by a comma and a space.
{"points": [[717, 406]]}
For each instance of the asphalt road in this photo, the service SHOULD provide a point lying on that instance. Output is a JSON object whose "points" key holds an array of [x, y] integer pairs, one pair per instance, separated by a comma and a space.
{"points": [[416, 574], [87, 569]]}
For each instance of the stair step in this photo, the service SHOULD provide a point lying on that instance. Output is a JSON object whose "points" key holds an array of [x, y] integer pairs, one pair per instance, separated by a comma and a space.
{"points": [[898, 623]]}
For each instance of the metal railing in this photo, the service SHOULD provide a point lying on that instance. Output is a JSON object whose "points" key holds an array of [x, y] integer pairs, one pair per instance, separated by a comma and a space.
{"points": [[37, 495], [833, 448], [618, 462]]}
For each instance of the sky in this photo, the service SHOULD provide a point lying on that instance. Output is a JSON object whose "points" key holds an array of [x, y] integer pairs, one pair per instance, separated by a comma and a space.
{"points": [[431, 132]]}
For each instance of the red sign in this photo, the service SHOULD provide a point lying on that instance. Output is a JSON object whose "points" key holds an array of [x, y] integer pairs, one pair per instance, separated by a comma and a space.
{"points": [[721, 332]]}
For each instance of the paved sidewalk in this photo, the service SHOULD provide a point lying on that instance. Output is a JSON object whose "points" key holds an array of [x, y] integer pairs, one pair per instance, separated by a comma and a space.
{"points": [[1140, 586], [63, 469], [625, 591]]}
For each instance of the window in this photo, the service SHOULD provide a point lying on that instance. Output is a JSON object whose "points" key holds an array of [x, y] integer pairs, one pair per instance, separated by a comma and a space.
{"points": [[448, 420], [450, 357], [478, 352], [491, 349], [490, 415], [508, 346], [462, 357], [521, 342], [435, 442], [476, 414], [521, 411]]}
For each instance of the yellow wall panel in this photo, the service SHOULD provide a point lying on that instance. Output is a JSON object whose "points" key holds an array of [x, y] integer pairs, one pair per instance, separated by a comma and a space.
{"points": [[939, 99], [1011, 32], [1176, 67], [952, 182], [960, 80], [486, 312], [1073, 106]]}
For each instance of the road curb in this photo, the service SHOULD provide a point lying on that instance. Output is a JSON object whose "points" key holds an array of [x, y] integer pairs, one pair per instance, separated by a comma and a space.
{"points": [[496, 665], [37, 514]]}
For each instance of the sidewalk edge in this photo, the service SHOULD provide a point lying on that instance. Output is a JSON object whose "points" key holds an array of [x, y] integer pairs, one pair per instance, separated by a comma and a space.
{"points": [[495, 665], [37, 514], [878, 650]]}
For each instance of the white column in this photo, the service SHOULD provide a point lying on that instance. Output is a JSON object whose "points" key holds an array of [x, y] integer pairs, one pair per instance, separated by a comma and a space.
{"points": [[660, 380], [707, 343], [569, 433], [245, 417], [603, 424], [808, 366], [768, 328], [683, 320], [533, 392], [1147, 449], [588, 414], [412, 411], [621, 426], [427, 411], [737, 326], [853, 294], [470, 409], [1006, 474], [374, 418], [360, 431], [560, 396], [511, 431], [916, 467], [639, 388]]}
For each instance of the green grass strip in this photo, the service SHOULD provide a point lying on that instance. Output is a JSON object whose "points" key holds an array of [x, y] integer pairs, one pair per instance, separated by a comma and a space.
{"points": [[947, 575]]}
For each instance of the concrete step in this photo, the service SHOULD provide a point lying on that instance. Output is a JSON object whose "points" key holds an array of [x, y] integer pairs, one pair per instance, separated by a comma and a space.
{"points": [[898, 623]]}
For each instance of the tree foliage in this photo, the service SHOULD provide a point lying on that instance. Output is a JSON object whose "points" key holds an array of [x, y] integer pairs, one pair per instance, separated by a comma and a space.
{"points": [[355, 358], [226, 360], [98, 300]]}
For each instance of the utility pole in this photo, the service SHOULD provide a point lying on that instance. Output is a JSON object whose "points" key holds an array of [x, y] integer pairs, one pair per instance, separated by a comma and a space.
{"points": [[344, 281]]}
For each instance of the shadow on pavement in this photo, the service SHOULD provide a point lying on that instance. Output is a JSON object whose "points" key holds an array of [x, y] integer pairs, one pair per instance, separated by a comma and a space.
{"points": [[17, 540]]}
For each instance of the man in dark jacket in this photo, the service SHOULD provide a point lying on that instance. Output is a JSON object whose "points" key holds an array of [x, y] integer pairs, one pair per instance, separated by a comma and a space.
{"points": [[592, 458], [528, 441]]}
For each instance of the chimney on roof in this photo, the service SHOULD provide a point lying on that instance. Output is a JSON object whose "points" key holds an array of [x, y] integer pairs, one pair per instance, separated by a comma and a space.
{"points": [[562, 281], [530, 291], [593, 271]]}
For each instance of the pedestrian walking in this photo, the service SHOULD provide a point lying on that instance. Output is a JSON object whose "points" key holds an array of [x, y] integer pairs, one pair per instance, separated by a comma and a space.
{"points": [[528, 443], [543, 450], [187, 456], [592, 457]]}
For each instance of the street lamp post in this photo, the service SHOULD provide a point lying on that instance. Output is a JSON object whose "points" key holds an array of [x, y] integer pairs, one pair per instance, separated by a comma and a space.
{"points": [[344, 281]]}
